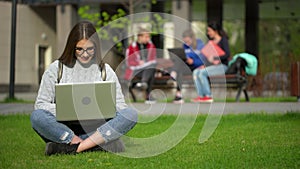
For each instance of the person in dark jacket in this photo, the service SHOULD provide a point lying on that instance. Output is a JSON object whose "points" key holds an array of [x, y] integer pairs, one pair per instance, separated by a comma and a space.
{"points": [[217, 67]]}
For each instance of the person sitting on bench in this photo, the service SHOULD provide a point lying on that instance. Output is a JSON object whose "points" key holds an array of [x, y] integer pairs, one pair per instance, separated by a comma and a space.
{"points": [[192, 47], [141, 62], [200, 76]]}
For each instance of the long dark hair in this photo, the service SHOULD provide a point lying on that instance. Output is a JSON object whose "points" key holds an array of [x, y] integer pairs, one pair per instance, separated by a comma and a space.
{"points": [[217, 27], [82, 30]]}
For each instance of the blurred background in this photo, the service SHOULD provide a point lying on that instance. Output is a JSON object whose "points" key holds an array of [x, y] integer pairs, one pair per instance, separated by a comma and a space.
{"points": [[269, 29]]}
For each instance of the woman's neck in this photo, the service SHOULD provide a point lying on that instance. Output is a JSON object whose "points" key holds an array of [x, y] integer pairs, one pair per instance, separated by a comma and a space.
{"points": [[217, 38], [87, 65]]}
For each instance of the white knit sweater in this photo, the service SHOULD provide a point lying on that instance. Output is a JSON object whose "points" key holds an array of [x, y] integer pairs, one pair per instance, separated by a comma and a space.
{"points": [[79, 73]]}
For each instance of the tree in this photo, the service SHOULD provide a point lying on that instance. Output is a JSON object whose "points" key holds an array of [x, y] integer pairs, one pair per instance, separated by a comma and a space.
{"points": [[113, 27]]}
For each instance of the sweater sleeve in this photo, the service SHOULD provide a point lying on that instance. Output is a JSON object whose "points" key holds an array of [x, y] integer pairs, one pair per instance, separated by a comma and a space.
{"points": [[225, 46], [111, 76], [46, 95]]}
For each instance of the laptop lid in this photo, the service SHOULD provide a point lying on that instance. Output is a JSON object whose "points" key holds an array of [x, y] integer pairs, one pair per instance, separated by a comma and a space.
{"points": [[179, 52], [85, 101]]}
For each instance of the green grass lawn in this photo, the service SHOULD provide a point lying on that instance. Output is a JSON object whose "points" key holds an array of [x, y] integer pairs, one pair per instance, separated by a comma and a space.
{"points": [[240, 141]]}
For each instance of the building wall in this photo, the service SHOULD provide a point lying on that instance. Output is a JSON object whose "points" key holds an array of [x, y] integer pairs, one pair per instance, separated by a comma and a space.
{"points": [[66, 18], [32, 31]]}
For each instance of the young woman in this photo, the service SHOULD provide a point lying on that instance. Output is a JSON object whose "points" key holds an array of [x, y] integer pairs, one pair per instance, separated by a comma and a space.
{"points": [[82, 62], [194, 60], [200, 76]]}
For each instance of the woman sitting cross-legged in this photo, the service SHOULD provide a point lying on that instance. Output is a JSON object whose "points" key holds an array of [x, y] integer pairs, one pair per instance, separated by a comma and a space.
{"points": [[81, 60]]}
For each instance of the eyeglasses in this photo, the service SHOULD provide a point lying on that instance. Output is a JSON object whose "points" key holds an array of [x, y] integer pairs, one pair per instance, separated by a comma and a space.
{"points": [[90, 51]]}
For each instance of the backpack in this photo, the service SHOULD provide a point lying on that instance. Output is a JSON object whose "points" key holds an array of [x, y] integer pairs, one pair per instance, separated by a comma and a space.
{"points": [[60, 72], [237, 67]]}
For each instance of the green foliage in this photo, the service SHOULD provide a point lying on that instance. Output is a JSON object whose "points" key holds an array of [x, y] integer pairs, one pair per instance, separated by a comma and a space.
{"points": [[106, 23], [158, 23], [154, 1], [279, 44], [240, 141], [236, 35], [102, 19]]}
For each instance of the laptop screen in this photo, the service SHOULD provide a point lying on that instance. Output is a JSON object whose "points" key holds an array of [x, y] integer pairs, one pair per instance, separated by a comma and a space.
{"points": [[85, 101], [179, 52]]}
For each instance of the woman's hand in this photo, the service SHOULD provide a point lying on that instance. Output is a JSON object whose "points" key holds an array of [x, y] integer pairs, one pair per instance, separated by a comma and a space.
{"points": [[201, 67], [141, 62]]}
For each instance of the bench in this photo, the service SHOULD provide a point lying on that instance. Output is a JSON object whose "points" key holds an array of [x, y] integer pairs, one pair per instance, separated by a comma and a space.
{"points": [[238, 81]]}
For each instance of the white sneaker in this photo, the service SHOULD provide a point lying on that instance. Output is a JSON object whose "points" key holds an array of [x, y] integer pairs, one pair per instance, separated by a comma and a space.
{"points": [[142, 85]]}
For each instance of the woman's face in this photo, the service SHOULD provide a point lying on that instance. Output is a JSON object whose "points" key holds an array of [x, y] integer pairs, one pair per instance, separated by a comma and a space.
{"points": [[211, 33], [188, 40], [84, 51]]}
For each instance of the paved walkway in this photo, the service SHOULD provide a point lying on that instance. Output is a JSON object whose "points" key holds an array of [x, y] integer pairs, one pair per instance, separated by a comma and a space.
{"points": [[169, 108], [186, 108]]}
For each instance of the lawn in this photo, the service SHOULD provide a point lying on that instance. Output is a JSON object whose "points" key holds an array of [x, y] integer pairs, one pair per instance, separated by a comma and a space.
{"points": [[240, 141]]}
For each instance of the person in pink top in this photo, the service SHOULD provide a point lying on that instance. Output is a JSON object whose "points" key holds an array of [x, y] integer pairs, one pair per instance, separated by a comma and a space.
{"points": [[217, 67], [141, 62]]}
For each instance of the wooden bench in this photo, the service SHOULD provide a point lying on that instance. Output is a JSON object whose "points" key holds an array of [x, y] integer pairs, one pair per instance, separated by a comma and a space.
{"points": [[236, 81]]}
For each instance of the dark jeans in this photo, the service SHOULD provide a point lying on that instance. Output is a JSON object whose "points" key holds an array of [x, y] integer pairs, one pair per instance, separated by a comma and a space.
{"points": [[181, 68], [147, 76]]}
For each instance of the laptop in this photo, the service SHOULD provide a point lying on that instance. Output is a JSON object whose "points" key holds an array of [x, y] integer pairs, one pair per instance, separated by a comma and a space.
{"points": [[85, 101], [179, 52]]}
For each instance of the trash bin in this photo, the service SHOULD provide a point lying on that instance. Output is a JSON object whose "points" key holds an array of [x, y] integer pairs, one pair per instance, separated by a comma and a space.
{"points": [[295, 80]]}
